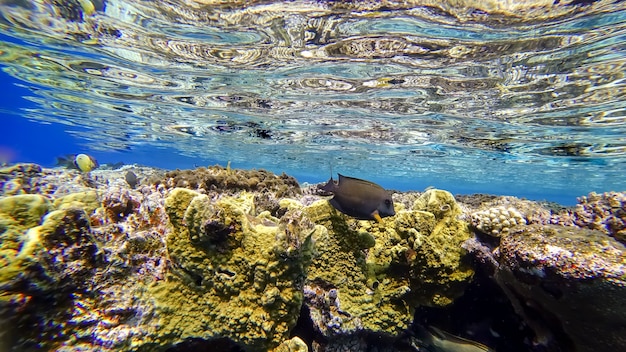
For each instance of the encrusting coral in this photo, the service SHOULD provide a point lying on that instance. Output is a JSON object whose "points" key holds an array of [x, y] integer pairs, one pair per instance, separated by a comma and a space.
{"points": [[227, 180], [54, 262], [370, 278], [234, 274], [605, 212]]}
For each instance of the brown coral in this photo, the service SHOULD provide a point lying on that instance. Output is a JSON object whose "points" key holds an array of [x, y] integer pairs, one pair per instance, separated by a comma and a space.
{"points": [[118, 204], [17, 179], [229, 181], [71, 251], [605, 212]]}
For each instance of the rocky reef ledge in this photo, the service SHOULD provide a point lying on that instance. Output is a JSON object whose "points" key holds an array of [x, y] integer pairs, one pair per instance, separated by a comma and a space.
{"points": [[141, 259]]}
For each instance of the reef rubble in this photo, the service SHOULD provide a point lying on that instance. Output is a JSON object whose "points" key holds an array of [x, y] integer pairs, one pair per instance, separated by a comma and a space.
{"points": [[141, 259]]}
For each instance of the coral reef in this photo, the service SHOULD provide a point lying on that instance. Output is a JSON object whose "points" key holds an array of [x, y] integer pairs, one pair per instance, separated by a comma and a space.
{"points": [[119, 204], [604, 212], [54, 264], [18, 214], [497, 221], [568, 283], [233, 274], [70, 274], [96, 262], [370, 278], [16, 179], [227, 180], [293, 345]]}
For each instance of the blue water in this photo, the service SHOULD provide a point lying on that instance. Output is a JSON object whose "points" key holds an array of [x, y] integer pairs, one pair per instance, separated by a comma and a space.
{"points": [[406, 97]]}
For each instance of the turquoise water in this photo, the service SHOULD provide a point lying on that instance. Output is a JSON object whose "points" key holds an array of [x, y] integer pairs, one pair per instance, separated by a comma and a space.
{"points": [[522, 100]]}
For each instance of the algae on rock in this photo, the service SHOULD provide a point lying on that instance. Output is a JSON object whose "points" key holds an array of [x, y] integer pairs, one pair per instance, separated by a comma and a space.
{"points": [[569, 283], [234, 274], [44, 265], [18, 214], [369, 276]]}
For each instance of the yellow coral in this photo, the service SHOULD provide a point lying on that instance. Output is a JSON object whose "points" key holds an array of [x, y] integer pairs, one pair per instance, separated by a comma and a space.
{"points": [[293, 345], [87, 201], [233, 274], [414, 259], [26, 209]]}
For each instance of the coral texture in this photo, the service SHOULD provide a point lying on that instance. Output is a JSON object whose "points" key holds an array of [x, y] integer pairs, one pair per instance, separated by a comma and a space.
{"points": [[497, 221], [90, 263], [234, 274], [71, 275], [227, 180], [605, 212], [567, 283], [370, 277], [573, 275]]}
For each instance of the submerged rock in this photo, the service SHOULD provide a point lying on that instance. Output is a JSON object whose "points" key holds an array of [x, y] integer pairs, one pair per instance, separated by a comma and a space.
{"points": [[370, 278], [568, 283]]}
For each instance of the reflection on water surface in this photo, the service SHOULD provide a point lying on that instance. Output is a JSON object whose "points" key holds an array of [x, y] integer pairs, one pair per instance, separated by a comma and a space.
{"points": [[485, 94]]}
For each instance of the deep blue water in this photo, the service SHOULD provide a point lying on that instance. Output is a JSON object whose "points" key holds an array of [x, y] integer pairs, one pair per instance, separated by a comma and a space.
{"points": [[409, 99]]}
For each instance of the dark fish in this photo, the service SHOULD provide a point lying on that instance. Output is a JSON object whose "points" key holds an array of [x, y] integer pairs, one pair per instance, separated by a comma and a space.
{"points": [[360, 199], [131, 179]]}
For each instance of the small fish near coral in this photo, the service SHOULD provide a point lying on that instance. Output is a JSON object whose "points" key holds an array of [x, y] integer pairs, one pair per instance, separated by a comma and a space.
{"points": [[82, 162], [360, 199], [132, 179], [85, 163], [431, 339]]}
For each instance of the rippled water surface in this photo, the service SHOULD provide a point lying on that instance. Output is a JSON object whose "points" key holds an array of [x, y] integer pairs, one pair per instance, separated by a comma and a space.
{"points": [[520, 98]]}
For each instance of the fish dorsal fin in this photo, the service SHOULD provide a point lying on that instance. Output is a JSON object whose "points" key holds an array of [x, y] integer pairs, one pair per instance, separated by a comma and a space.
{"points": [[354, 180]]}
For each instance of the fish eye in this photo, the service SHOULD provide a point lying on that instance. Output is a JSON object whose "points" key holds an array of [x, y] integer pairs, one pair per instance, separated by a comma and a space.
{"points": [[387, 202]]}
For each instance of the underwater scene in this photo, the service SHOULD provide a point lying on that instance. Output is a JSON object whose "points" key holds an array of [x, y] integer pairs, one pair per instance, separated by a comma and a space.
{"points": [[325, 176]]}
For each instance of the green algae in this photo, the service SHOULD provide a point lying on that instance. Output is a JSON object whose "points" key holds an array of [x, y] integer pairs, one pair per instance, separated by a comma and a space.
{"points": [[232, 274]]}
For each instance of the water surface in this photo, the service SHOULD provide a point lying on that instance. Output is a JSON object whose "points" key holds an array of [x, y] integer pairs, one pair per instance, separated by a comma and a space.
{"points": [[524, 99]]}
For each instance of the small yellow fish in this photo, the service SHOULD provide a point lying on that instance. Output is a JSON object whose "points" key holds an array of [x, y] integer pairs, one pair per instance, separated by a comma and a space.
{"points": [[88, 7], [85, 163]]}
